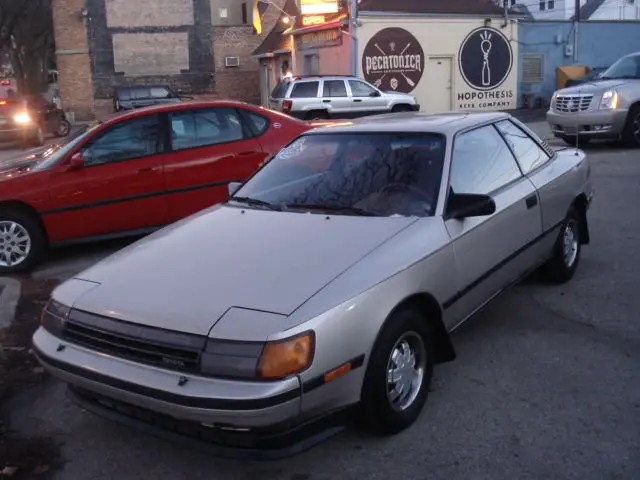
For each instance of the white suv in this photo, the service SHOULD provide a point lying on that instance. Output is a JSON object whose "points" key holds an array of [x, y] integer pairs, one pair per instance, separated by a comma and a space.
{"points": [[322, 96]]}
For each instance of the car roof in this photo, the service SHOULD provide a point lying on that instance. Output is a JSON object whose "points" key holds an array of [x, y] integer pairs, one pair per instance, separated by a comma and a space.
{"points": [[445, 123], [189, 104]]}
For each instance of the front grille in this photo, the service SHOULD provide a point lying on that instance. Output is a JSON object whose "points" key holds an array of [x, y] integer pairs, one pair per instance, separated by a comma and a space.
{"points": [[138, 349], [573, 103]]}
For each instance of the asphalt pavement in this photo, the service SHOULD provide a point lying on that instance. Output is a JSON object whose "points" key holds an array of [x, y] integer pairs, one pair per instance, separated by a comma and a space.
{"points": [[546, 384]]}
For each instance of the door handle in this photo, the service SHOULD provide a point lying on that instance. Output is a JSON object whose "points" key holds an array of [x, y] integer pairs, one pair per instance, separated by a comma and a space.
{"points": [[357, 100], [531, 201], [326, 101]]}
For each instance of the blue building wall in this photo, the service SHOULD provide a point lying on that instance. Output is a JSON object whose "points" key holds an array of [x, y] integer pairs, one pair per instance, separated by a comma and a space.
{"points": [[600, 43]]}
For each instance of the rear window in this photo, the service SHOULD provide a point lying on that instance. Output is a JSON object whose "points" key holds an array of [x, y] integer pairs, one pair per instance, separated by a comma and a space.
{"points": [[281, 89], [305, 90]]}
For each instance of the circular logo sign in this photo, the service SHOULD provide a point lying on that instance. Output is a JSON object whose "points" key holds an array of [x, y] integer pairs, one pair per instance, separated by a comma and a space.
{"points": [[485, 58], [393, 60]]}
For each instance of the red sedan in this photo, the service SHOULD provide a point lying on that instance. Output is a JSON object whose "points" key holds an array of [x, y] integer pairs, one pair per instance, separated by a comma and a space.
{"points": [[132, 174]]}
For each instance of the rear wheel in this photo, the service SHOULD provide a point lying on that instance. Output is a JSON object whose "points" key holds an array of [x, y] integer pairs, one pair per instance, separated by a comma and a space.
{"points": [[64, 128], [397, 381], [317, 115], [22, 241], [401, 108], [631, 133], [565, 258]]}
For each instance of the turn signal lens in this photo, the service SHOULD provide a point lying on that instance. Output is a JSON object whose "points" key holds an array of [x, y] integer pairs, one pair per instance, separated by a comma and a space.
{"points": [[286, 357]]}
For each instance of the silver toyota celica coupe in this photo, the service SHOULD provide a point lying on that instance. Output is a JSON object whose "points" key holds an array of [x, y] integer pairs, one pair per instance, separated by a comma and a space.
{"points": [[328, 282]]}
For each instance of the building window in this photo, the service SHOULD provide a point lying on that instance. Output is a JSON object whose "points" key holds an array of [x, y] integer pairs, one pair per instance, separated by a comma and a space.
{"points": [[244, 13], [543, 5], [551, 4], [224, 12], [532, 68]]}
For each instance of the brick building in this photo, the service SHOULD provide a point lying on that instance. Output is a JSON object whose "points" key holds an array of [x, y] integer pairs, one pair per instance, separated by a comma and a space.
{"points": [[184, 43]]}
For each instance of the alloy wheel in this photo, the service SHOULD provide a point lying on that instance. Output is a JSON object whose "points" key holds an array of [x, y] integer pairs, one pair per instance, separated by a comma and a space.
{"points": [[406, 370], [15, 243], [570, 243]]}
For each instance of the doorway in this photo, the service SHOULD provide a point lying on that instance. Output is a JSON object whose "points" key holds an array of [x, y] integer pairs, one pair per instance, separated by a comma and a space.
{"points": [[439, 78]]}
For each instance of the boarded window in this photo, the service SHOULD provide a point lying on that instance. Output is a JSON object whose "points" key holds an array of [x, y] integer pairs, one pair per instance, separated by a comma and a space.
{"points": [[532, 68]]}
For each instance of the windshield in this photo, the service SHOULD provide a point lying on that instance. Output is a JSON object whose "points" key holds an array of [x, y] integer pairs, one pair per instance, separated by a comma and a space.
{"points": [[380, 174], [626, 67], [53, 155], [280, 89]]}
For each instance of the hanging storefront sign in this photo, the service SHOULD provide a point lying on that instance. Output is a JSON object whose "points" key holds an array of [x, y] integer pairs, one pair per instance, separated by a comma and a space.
{"points": [[315, 7], [485, 60], [321, 39], [393, 60]]}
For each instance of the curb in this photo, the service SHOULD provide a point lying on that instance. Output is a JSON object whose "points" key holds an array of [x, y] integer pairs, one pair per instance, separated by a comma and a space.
{"points": [[9, 297]]}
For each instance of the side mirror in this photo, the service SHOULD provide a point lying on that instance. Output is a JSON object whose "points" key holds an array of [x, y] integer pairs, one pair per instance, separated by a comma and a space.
{"points": [[76, 162], [464, 205], [375, 93], [233, 187]]}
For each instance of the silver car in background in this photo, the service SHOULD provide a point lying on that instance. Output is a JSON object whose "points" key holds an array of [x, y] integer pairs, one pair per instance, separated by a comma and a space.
{"points": [[606, 108], [318, 97], [329, 281]]}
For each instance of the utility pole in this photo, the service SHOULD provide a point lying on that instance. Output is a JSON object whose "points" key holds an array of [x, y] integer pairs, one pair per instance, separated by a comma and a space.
{"points": [[353, 26], [576, 23]]}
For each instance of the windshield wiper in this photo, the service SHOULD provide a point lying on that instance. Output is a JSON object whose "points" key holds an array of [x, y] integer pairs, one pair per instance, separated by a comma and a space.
{"points": [[621, 77], [331, 208], [254, 202]]}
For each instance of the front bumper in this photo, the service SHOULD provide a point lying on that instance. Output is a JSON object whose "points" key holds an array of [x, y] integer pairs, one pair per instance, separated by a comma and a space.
{"points": [[591, 124], [13, 134], [217, 402]]}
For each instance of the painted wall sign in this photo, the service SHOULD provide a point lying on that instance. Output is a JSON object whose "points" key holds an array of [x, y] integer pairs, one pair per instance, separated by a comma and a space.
{"points": [[324, 38], [485, 60], [313, 20], [313, 7], [393, 60]]}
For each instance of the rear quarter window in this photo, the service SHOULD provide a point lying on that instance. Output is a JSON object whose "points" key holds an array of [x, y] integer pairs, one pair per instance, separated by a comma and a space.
{"points": [[280, 89], [305, 90]]}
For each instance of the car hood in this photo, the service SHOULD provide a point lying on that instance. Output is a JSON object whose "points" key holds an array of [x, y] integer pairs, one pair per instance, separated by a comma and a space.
{"points": [[595, 86], [186, 276], [20, 163]]}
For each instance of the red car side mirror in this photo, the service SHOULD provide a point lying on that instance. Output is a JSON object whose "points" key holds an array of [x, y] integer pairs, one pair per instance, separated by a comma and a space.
{"points": [[76, 162]]}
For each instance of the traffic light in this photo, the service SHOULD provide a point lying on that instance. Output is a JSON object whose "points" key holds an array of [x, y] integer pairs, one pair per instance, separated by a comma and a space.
{"points": [[258, 7]]}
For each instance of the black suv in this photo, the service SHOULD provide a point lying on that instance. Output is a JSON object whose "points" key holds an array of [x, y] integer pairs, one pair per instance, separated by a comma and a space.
{"points": [[127, 98]]}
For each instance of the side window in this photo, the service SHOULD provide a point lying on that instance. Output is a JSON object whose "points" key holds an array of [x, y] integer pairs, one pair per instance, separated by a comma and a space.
{"points": [[258, 123], [334, 88], [528, 153], [127, 140], [205, 127], [159, 92], [360, 89], [481, 162], [305, 90]]}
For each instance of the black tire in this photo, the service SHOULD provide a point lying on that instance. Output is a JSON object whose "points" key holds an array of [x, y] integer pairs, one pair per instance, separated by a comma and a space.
{"points": [[34, 138], [631, 132], [378, 412], [574, 141], [317, 115], [562, 265], [64, 128], [401, 108], [37, 239]]}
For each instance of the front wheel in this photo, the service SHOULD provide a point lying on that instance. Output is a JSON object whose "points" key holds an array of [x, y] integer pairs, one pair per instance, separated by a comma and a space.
{"points": [[631, 133], [565, 258], [397, 381], [401, 108], [22, 242]]}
